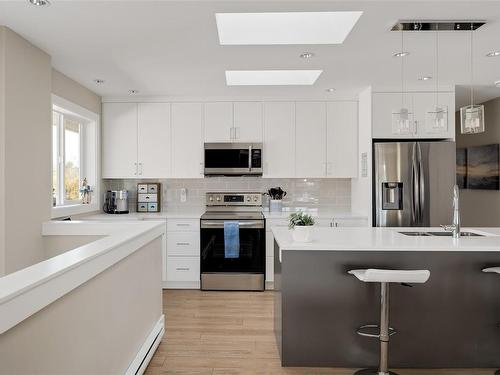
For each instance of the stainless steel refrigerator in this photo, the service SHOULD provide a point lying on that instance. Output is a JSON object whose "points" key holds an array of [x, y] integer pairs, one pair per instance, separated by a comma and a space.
{"points": [[413, 183]]}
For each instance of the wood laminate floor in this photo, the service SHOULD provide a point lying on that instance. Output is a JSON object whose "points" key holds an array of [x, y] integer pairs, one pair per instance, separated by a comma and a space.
{"points": [[231, 333]]}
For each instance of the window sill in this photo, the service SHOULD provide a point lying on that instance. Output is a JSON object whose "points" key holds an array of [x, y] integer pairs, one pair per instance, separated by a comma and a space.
{"points": [[74, 209]]}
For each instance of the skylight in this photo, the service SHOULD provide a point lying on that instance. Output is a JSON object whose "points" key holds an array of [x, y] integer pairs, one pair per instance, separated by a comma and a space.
{"points": [[285, 28], [271, 77]]}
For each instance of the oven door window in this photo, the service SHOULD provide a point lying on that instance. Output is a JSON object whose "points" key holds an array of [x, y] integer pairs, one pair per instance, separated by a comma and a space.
{"points": [[251, 254], [237, 158]]}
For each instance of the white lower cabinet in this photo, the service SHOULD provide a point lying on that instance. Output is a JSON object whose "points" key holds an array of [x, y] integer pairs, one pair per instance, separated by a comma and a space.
{"points": [[182, 271], [183, 254]]}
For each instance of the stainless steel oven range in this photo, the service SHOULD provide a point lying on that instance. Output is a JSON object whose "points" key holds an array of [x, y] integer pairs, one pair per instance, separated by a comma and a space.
{"points": [[233, 242]]}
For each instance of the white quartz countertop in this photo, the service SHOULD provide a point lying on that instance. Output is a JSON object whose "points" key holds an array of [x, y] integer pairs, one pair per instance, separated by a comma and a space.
{"points": [[195, 213], [319, 213], [387, 239]]}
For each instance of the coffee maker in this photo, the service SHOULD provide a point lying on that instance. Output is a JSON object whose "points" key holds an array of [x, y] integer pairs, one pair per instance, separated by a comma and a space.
{"points": [[116, 202]]}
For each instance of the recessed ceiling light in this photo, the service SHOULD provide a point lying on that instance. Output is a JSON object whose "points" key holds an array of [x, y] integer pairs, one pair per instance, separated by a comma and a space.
{"points": [[39, 3], [271, 77], [497, 83], [306, 55], [425, 78], [98, 81], [401, 54], [285, 27], [493, 54], [330, 89], [133, 92]]}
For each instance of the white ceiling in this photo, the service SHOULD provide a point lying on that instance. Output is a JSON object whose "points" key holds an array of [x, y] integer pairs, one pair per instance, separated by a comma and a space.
{"points": [[171, 48]]}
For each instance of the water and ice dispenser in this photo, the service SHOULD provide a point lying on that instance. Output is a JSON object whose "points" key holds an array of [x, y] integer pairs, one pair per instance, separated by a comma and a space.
{"points": [[392, 195]]}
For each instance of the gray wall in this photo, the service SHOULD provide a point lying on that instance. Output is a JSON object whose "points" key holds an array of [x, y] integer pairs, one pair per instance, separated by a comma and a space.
{"points": [[481, 207], [26, 83], [97, 328], [27, 146]]}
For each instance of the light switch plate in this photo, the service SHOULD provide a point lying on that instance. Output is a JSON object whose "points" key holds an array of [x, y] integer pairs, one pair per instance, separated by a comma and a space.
{"points": [[183, 195]]}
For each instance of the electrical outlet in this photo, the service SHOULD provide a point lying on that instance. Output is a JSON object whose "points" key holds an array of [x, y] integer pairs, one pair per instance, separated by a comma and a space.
{"points": [[183, 195]]}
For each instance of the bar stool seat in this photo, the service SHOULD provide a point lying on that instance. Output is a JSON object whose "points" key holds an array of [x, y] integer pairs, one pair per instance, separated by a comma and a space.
{"points": [[493, 270], [372, 275], [385, 277]]}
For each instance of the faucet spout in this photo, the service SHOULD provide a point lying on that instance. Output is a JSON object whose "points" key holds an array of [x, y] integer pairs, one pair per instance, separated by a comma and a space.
{"points": [[455, 226]]}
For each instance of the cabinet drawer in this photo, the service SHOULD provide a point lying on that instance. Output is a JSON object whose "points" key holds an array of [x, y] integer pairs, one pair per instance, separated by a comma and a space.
{"points": [[142, 207], [147, 198], [153, 189], [183, 225], [183, 244], [183, 268], [142, 188], [152, 207], [269, 244]]}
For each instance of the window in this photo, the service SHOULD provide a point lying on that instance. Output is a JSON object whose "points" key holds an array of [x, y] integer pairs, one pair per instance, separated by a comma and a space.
{"points": [[74, 157]]}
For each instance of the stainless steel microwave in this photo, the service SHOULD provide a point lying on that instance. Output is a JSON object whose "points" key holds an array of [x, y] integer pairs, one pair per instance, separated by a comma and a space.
{"points": [[233, 159]]}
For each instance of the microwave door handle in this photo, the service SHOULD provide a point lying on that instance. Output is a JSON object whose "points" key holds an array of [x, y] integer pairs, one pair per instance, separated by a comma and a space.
{"points": [[250, 158]]}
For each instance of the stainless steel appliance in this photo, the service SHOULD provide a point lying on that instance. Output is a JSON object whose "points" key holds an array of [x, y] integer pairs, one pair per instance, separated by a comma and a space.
{"points": [[233, 159], [413, 183], [247, 270], [116, 202]]}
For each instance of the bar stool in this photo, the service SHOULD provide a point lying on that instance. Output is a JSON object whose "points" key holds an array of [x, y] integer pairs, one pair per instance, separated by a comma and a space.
{"points": [[493, 270], [385, 277]]}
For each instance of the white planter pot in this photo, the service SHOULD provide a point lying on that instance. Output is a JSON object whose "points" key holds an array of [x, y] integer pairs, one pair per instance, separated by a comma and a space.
{"points": [[275, 205], [302, 233]]}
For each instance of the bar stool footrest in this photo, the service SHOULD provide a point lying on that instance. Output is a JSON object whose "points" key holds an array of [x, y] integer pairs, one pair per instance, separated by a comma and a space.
{"points": [[367, 329]]}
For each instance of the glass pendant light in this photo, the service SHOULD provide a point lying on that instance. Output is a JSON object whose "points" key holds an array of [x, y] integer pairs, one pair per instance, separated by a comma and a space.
{"points": [[402, 118], [436, 117], [472, 116]]}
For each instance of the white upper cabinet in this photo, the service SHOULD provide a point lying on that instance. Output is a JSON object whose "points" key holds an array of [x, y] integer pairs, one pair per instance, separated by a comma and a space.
{"points": [[248, 122], [342, 139], [279, 140], [154, 140], [187, 140], [384, 104], [424, 104], [418, 103], [119, 140], [310, 142], [219, 122]]}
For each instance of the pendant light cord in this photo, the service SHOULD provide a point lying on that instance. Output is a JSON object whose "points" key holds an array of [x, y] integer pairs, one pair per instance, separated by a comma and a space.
{"points": [[471, 64], [402, 69]]}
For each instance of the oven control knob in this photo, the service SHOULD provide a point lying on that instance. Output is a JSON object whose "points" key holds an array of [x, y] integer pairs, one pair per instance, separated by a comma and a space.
{"points": [[255, 199], [249, 199], [218, 199], [211, 198]]}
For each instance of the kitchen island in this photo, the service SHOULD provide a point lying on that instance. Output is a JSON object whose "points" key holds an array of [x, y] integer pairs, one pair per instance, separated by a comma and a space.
{"points": [[451, 321]]}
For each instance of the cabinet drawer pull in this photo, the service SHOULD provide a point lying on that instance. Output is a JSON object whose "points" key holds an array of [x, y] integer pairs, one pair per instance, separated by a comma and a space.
{"points": [[182, 225], [183, 243], [182, 269]]}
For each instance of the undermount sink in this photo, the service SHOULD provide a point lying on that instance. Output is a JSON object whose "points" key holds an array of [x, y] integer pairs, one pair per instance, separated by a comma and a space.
{"points": [[441, 234]]}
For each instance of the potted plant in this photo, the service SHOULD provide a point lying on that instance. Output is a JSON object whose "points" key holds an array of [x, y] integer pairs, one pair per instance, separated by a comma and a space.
{"points": [[276, 202], [301, 224]]}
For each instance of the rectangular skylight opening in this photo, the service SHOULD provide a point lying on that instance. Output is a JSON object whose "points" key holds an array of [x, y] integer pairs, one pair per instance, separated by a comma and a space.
{"points": [[271, 77], [285, 27]]}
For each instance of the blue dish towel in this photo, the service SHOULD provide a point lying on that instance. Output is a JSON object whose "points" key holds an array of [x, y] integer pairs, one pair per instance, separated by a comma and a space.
{"points": [[231, 239]]}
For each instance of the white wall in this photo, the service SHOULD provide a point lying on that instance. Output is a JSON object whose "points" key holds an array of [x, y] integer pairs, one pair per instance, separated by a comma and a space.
{"points": [[27, 145], [361, 187]]}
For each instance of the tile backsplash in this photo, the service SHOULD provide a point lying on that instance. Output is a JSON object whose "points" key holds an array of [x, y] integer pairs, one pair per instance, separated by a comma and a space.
{"points": [[333, 193]]}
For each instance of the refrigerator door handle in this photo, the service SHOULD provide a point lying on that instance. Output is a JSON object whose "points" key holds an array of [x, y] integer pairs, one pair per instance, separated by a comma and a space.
{"points": [[421, 181], [415, 194]]}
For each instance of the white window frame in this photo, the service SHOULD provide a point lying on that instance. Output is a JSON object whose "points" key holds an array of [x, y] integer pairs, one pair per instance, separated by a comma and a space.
{"points": [[90, 160]]}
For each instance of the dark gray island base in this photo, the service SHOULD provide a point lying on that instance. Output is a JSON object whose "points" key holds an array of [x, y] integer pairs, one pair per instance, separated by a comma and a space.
{"points": [[451, 321]]}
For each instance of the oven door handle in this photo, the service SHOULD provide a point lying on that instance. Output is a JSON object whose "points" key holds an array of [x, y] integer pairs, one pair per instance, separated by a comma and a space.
{"points": [[257, 224]]}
